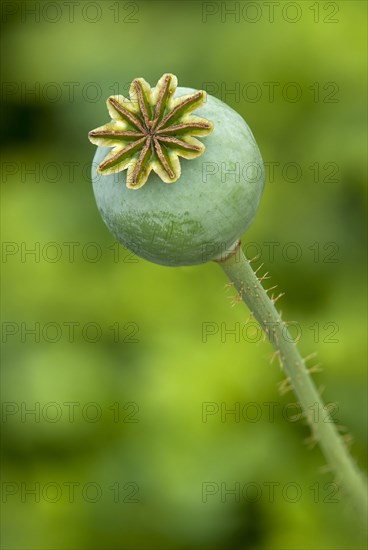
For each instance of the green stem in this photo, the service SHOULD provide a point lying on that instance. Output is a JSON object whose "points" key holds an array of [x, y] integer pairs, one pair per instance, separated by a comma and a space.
{"points": [[240, 273]]}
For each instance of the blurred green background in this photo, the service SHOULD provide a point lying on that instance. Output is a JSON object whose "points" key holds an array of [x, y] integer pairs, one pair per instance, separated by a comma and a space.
{"points": [[121, 451]]}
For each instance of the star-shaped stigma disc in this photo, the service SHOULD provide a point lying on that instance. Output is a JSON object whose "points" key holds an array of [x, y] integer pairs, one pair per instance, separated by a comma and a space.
{"points": [[150, 131]]}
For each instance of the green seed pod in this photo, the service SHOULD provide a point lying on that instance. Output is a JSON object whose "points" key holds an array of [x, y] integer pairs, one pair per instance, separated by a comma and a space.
{"points": [[169, 212], [191, 211]]}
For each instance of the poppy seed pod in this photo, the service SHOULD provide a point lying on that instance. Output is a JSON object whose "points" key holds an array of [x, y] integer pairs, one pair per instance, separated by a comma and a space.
{"points": [[176, 200], [168, 211]]}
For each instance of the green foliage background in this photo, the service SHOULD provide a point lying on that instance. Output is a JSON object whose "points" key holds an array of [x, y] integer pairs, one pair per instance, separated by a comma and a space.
{"points": [[169, 372]]}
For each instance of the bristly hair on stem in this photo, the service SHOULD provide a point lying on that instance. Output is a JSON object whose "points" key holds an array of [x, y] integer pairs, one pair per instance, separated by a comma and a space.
{"points": [[323, 430]]}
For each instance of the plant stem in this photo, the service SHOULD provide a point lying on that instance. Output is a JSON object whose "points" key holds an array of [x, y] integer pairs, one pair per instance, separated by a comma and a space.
{"points": [[324, 431]]}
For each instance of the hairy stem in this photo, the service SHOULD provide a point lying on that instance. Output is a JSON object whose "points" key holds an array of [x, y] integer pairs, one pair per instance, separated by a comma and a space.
{"points": [[324, 431]]}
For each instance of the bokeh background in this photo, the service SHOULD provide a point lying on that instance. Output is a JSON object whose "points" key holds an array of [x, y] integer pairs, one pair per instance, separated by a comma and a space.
{"points": [[118, 454]]}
